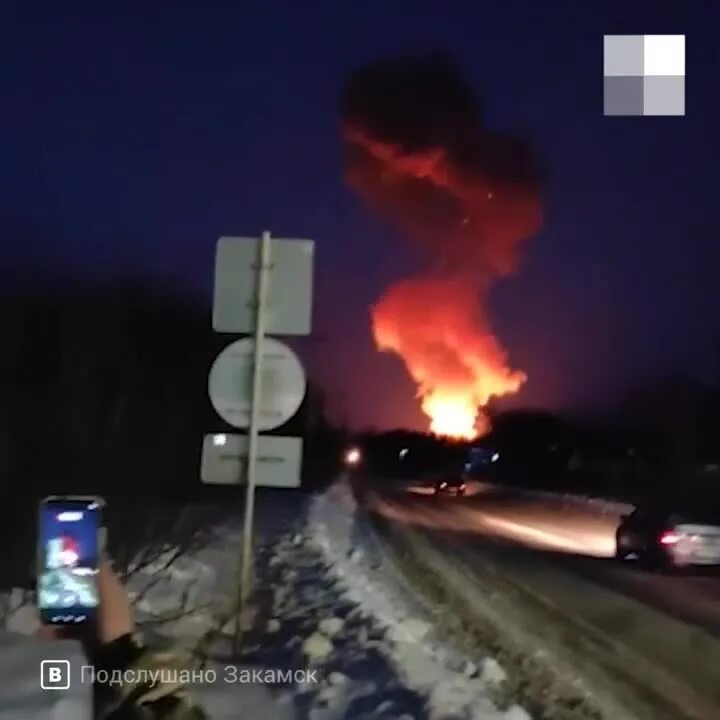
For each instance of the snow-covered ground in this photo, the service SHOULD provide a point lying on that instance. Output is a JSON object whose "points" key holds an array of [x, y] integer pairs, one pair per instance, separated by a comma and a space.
{"points": [[329, 604], [22, 698], [450, 685]]}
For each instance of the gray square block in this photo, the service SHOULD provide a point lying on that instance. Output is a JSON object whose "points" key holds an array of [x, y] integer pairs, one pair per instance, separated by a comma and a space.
{"points": [[664, 95], [623, 96]]}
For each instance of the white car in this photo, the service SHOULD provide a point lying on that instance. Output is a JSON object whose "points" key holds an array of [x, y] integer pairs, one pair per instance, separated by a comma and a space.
{"points": [[671, 536]]}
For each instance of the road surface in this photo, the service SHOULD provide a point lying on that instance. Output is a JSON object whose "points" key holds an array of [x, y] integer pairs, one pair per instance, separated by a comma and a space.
{"points": [[577, 538]]}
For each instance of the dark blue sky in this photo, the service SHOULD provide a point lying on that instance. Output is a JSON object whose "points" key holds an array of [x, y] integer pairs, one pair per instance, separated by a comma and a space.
{"points": [[131, 138]]}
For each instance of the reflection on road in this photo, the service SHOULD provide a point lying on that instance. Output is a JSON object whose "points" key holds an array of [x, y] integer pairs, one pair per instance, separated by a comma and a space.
{"points": [[545, 524], [579, 538]]}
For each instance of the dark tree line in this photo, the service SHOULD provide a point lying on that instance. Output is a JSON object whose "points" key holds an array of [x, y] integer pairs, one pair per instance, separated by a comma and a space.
{"points": [[662, 438], [104, 391]]}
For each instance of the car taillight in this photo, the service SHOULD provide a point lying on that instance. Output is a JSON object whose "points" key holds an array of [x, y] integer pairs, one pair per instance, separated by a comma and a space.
{"points": [[669, 538]]}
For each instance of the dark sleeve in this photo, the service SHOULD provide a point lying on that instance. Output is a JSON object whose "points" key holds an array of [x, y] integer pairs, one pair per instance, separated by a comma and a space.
{"points": [[149, 691]]}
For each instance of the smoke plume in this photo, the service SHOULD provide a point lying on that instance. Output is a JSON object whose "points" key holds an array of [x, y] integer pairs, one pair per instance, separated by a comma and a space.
{"points": [[417, 151]]}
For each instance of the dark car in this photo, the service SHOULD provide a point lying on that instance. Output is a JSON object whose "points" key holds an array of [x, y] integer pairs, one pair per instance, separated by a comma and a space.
{"points": [[451, 486], [670, 535]]}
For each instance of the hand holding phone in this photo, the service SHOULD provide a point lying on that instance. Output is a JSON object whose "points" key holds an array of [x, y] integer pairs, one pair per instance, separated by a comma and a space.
{"points": [[70, 543]]}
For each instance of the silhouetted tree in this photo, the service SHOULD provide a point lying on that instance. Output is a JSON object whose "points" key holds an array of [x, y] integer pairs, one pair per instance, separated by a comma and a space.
{"points": [[104, 391]]}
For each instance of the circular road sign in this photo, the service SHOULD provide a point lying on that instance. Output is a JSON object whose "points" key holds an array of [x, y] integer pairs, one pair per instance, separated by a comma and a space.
{"points": [[282, 383]]}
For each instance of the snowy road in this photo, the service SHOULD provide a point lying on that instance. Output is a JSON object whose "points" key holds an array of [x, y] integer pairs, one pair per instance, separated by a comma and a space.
{"points": [[576, 538]]}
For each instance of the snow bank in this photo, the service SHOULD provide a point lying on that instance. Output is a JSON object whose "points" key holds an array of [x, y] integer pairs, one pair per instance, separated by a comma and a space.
{"points": [[454, 687], [180, 601], [22, 695]]}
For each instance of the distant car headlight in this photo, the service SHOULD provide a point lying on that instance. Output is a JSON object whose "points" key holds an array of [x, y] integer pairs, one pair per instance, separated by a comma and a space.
{"points": [[353, 457]]}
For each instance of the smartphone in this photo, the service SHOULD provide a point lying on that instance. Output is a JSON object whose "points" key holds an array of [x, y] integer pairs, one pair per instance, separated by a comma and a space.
{"points": [[71, 538]]}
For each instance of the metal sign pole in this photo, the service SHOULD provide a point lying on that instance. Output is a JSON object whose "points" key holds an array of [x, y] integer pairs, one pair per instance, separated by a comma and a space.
{"points": [[246, 565]]}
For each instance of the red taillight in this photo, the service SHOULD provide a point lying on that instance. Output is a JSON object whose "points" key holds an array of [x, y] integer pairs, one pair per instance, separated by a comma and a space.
{"points": [[669, 538]]}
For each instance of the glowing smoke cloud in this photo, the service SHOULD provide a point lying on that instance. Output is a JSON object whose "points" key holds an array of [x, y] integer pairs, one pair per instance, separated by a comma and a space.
{"points": [[416, 150]]}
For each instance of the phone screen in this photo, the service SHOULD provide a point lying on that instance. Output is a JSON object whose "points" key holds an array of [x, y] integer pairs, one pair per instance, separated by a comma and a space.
{"points": [[69, 556]]}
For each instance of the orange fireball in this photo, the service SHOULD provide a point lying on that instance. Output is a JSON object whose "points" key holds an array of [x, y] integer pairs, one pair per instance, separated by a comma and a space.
{"points": [[454, 417], [438, 328]]}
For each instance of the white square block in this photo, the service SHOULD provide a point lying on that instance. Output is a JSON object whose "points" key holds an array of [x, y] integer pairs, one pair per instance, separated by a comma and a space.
{"points": [[664, 55]]}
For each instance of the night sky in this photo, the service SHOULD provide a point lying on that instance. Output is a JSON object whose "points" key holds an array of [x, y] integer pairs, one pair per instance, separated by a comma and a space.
{"points": [[132, 137]]}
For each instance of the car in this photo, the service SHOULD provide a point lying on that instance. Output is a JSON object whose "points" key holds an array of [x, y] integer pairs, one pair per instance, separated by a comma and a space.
{"points": [[451, 486], [668, 536]]}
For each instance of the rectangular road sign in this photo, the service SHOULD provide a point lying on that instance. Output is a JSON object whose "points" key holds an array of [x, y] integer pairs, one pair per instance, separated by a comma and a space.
{"points": [[224, 457], [288, 309]]}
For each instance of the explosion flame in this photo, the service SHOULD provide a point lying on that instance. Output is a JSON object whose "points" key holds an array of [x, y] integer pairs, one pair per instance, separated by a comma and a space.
{"points": [[416, 150]]}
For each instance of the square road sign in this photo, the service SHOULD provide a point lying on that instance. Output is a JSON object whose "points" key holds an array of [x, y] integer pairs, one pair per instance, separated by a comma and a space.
{"points": [[289, 291], [224, 460]]}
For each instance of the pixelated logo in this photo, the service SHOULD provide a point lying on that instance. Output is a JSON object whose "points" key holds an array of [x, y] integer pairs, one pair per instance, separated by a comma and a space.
{"points": [[55, 674], [644, 74]]}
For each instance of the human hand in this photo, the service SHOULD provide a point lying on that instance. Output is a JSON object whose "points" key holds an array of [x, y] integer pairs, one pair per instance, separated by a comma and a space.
{"points": [[114, 615]]}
